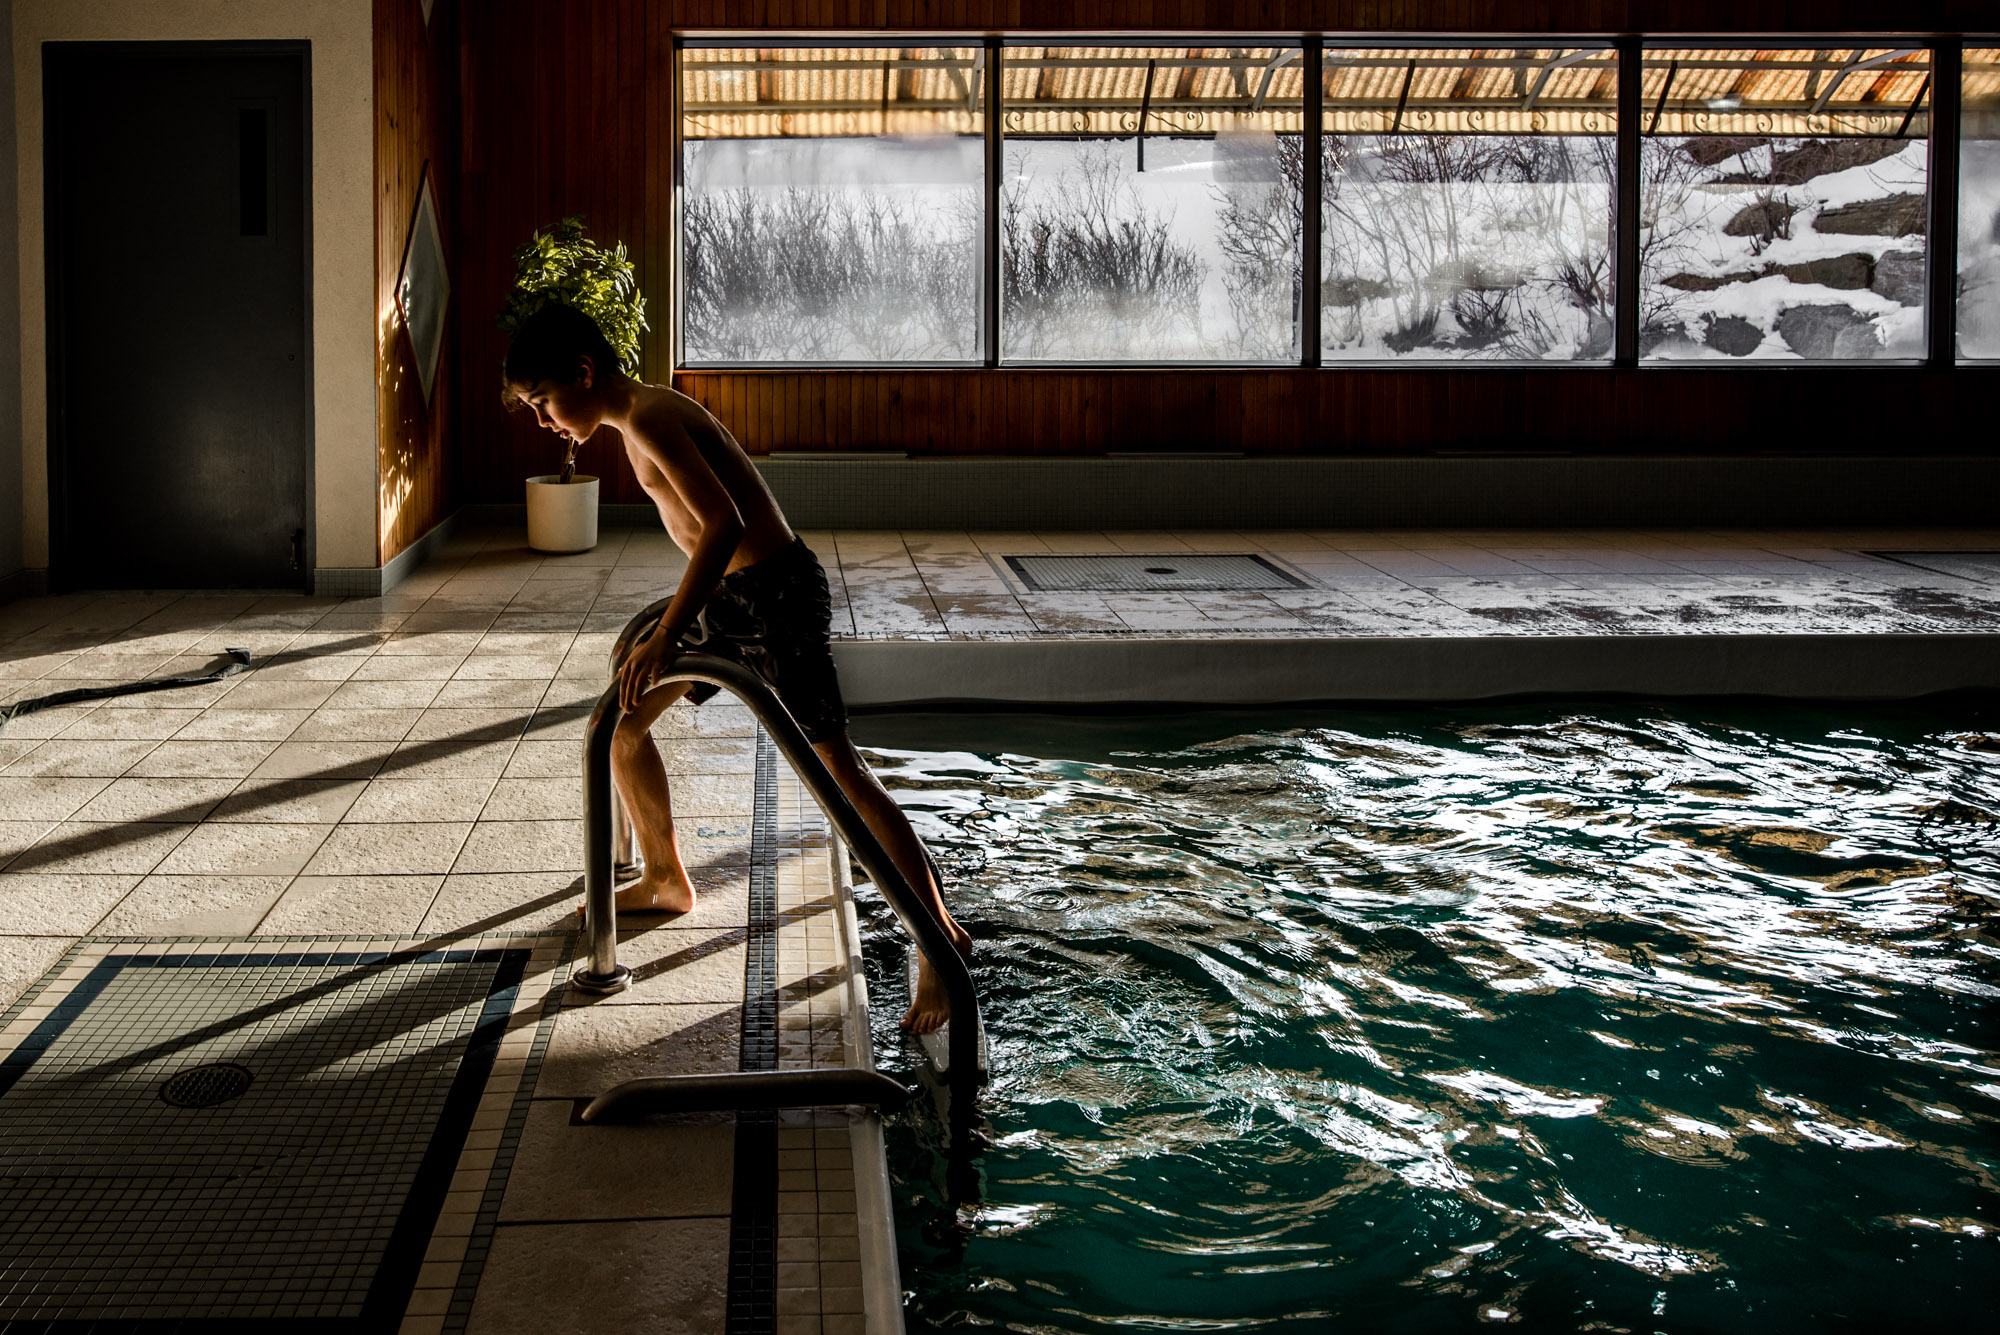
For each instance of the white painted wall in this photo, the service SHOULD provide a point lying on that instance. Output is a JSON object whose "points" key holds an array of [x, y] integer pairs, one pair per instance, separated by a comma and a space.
{"points": [[342, 257]]}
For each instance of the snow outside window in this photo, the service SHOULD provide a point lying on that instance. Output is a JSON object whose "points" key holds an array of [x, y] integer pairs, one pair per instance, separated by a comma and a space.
{"points": [[1151, 204], [1783, 200], [1979, 207], [832, 204], [1466, 204]]}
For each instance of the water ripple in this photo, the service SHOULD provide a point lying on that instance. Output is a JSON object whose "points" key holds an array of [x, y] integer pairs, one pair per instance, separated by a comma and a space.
{"points": [[1597, 1018]]}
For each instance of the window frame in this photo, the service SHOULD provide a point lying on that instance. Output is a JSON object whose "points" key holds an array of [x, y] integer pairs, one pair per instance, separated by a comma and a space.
{"points": [[1944, 335], [1928, 100], [1309, 234], [1316, 222], [1941, 101], [801, 42]]}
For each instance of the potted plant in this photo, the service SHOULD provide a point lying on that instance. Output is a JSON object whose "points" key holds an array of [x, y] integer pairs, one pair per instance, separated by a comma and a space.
{"points": [[559, 263]]}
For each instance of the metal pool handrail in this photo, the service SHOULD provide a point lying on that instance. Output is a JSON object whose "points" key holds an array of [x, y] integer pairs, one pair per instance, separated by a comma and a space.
{"points": [[601, 972]]}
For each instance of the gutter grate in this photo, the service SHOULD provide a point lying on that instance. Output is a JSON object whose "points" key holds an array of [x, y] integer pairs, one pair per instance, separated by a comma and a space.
{"points": [[1178, 572]]}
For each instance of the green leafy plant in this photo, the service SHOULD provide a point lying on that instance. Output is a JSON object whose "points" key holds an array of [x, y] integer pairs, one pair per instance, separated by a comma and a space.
{"points": [[560, 263]]}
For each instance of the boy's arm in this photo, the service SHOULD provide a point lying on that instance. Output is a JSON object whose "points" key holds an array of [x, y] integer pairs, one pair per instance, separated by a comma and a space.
{"points": [[670, 449]]}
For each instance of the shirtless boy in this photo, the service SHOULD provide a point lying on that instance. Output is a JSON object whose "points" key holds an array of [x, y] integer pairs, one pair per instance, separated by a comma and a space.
{"points": [[762, 589]]}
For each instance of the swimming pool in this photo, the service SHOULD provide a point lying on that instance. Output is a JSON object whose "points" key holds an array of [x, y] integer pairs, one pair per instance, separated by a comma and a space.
{"points": [[1606, 1016]]}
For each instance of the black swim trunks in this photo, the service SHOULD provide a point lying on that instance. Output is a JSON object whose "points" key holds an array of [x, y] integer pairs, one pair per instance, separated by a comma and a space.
{"points": [[776, 618]]}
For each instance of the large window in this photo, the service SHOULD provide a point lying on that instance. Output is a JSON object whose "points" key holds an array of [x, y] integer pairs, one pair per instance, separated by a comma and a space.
{"points": [[1783, 203], [1151, 204], [1311, 202], [831, 204], [1466, 203], [1979, 206]]}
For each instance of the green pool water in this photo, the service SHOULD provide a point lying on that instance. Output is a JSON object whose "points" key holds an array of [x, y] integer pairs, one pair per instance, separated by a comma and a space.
{"points": [[1620, 1017]]}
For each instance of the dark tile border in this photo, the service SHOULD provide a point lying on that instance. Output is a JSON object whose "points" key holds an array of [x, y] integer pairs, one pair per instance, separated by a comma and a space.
{"points": [[412, 1234], [474, 1264], [752, 1304]]}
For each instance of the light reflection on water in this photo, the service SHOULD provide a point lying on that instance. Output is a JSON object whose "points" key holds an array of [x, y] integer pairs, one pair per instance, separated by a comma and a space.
{"points": [[1654, 1017]]}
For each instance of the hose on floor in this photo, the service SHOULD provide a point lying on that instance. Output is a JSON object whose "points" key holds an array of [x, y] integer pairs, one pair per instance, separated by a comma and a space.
{"points": [[239, 660]]}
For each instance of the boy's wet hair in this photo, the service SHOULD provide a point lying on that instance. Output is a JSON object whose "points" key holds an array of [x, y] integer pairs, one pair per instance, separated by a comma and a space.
{"points": [[550, 345]]}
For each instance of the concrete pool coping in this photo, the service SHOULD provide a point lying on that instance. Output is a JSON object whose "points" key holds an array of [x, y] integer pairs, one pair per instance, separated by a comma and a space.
{"points": [[1184, 670]]}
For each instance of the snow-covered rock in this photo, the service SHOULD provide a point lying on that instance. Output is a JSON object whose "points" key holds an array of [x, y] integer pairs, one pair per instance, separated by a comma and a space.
{"points": [[1900, 276], [1898, 215], [1733, 336], [1765, 218], [1828, 333]]}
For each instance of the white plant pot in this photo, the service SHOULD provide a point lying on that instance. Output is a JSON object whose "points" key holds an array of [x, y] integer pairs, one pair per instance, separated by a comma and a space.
{"points": [[562, 516]]}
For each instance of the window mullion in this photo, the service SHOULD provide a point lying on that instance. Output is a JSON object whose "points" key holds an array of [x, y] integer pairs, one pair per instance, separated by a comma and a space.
{"points": [[1625, 217], [1309, 239], [990, 246], [1941, 235], [677, 174]]}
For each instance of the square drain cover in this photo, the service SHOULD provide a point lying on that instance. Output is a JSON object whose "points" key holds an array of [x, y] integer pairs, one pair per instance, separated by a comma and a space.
{"points": [[1196, 572], [1981, 566], [214, 1140]]}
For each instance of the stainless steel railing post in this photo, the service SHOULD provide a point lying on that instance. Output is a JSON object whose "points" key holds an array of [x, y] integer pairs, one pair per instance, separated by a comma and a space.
{"points": [[601, 973]]}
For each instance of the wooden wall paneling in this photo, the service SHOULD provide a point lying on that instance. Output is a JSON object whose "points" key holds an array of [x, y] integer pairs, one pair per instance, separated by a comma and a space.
{"points": [[568, 109], [1091, 411], [729, 403], [764, 420], [1276, 433], [1019, 403], [812, 409], [991, 436], [1048, 402], [1123, 419], [911, 420], [1461, 421], [1229, 428], [416, 100], [1069, 405], [970, 399], [907, 412], [839, 413]]}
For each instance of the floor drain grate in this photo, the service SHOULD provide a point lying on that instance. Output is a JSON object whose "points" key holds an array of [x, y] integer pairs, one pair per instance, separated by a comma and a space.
{"points": [[338, 1088], [1193, 572], [206, 1086]]}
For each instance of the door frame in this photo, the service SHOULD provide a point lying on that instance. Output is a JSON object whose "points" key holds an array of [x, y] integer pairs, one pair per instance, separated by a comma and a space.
{"points": [[60, 61]]}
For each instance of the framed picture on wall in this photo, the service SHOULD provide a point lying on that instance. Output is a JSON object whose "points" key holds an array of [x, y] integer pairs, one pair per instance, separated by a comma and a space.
{"points": [[424, 287]]}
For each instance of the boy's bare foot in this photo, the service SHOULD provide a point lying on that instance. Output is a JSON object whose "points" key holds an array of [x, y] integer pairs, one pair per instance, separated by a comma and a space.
{"points": [[669, 892], [931, 1007]]}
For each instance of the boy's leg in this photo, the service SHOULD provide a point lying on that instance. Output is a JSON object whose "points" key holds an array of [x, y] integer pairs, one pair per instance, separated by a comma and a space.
{"points": [[642, 784], [929, 1010]]}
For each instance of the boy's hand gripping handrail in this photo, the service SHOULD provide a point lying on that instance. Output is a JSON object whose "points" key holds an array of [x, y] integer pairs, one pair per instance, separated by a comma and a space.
{"points": [[602, 972]]}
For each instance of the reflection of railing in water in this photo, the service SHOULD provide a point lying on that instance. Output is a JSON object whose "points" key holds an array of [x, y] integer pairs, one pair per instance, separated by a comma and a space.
{"points": [[603, 851]]}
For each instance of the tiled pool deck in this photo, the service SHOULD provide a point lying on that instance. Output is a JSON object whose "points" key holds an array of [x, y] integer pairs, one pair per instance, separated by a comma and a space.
{"points": [[1411, 583], [405, 768]]}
